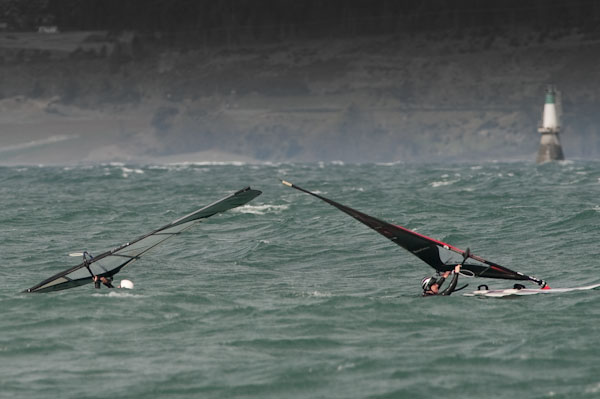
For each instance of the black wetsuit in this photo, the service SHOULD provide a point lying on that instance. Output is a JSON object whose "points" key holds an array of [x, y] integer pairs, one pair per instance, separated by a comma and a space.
{"points": [[107, 284], [449, 290]]}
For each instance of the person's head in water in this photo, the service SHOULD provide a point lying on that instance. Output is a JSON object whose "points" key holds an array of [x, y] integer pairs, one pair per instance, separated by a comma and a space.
{"points": [[430, 284], [126, 284]]}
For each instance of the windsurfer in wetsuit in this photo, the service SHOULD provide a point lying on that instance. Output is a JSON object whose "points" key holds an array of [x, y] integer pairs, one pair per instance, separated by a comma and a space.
{"points": [[107, 281], [431, 286]]}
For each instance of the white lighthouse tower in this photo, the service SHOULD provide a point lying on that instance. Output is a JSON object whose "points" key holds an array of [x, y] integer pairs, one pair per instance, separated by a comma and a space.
{"points": [[550, 148]]}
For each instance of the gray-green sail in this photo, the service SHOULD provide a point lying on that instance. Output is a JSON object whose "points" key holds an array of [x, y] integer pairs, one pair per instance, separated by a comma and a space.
{"points": [[111, 262]]}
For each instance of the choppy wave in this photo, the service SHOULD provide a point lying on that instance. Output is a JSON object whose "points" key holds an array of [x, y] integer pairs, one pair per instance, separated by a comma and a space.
{"points": [[442, 183], [118, 294], [129, 171], [206, 163], [261, 209]]}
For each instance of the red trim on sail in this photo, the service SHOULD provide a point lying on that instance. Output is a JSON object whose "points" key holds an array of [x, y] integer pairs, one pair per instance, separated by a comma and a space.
{"points": [[443, 244]]}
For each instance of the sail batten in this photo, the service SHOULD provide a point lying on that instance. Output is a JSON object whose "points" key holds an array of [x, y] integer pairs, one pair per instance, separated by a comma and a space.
{"points": [[108, 263]]}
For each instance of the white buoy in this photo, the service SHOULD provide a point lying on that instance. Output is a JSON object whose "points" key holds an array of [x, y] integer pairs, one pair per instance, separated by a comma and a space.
{"points": [[126, 284], [550, 148]]}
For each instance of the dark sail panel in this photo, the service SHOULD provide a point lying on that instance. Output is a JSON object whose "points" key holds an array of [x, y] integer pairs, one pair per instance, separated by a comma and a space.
{"points": [[436, 254], [111, 262]]}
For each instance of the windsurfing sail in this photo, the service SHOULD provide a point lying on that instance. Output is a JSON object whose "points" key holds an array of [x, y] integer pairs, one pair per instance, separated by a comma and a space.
{"points": [[111, 262], [437, 254]]}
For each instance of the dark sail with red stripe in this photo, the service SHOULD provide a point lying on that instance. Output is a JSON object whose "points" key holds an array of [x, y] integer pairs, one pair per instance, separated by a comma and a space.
{"points": [[437, 254]]}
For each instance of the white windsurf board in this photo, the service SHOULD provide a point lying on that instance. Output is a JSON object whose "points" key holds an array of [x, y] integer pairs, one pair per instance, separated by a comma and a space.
{"points": [[528, 291]]}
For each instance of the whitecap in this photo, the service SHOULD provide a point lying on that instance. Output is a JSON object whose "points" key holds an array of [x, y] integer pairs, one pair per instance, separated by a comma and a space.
{"points": [[168, 167], [318, 294], [442, 183], [260, 209], [345, 366], [209, 163], [127, 171], [566, 162], [322, 164], [395, 163], [117, 294], [593, 389]]}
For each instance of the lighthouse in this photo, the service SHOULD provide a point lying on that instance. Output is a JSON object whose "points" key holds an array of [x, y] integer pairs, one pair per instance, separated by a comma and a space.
{"points": [[550, 148]]}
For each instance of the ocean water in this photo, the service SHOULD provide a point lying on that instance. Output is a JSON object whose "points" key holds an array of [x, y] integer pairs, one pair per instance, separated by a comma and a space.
{"points": [[287, 297]]}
